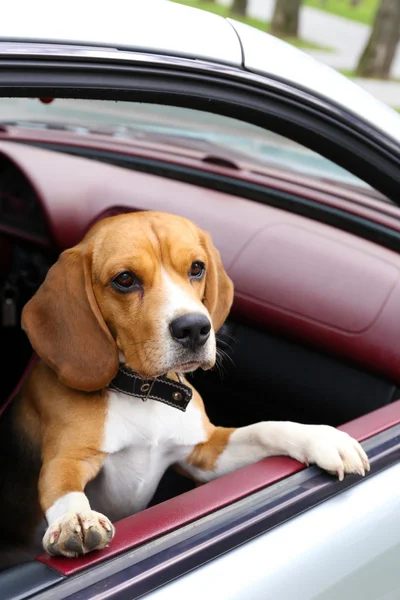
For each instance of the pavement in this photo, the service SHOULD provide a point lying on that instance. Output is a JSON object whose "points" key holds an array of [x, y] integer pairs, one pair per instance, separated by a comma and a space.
{"points": [[345, 38]]}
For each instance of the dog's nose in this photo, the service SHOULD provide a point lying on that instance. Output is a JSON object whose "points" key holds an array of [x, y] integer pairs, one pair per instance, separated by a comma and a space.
{"points": [[192, 330]]}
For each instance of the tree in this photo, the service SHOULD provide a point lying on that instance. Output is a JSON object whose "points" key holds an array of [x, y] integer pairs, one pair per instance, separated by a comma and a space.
{"points": [[377, 58], [239, 7], [285, 20]]}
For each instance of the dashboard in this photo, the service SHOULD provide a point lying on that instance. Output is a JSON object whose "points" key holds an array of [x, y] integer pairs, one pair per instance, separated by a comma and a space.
{"points": [[293, 276]]}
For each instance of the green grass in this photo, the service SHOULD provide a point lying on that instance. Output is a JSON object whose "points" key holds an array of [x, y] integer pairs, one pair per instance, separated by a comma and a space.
{"points": [[352, 74], [349, 73], [304, 44], [364, 12], [223, 11]]}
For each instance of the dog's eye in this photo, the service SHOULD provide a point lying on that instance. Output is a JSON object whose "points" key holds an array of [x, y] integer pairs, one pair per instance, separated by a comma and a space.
{"points": [[197, 270], [126, 282]]}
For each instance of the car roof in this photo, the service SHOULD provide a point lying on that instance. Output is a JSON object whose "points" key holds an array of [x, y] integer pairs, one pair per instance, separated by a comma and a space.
{"points": [[166, 28], [148, 25], [270, 56]]}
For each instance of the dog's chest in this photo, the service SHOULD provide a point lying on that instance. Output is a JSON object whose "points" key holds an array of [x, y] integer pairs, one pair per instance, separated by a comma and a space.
{"points": [[142, 440]]}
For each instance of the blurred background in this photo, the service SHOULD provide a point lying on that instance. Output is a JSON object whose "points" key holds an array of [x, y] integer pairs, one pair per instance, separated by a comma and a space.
{"points": [[359, 38]]}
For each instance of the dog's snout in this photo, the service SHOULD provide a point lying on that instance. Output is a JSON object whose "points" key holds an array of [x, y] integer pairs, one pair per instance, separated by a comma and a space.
{"points": [[192, 330]]}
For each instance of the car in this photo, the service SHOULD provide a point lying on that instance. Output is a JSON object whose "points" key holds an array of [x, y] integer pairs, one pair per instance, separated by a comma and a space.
{"points": [[295, 171]]}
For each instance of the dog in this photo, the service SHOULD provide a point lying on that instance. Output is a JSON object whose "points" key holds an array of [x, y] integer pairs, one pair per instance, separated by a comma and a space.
{"points": [[117, 323]]}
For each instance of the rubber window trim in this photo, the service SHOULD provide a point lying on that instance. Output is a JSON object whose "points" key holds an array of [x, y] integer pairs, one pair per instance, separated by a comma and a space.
{"points": [[337, 135]]}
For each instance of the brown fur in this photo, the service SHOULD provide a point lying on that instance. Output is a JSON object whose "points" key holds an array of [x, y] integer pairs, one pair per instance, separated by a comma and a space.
{"points": [[77, 323], [205, 456], [55, 419]]}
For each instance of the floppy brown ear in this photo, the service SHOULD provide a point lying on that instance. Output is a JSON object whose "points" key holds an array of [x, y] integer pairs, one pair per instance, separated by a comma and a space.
{"points": [[65, 326], [218, 296]]}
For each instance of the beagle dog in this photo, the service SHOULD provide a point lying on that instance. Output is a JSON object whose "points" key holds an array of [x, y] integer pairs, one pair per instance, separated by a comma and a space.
{"points": [[118, 321]]}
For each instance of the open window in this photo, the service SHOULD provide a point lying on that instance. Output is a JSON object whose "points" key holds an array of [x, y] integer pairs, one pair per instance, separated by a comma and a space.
{"points": [[307, 230]]}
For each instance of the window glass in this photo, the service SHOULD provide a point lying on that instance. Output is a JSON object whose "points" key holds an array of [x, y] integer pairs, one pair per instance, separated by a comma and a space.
{"points": [[179, 128]]}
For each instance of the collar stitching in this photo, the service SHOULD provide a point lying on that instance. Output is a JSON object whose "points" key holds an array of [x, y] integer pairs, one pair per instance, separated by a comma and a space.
{"points": [[163, 400], [163, 378]]}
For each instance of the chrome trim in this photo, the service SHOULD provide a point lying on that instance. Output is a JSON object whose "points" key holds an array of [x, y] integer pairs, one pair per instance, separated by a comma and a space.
{"points": [[46, 50]]}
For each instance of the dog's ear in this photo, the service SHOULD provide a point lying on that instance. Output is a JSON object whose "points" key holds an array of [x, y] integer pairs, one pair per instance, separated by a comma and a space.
{"points": [[66, 328], [218, 295]]}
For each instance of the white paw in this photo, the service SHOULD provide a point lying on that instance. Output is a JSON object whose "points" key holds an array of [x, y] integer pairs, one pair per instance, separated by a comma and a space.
{"points": [[74, 534], [334, 450]]}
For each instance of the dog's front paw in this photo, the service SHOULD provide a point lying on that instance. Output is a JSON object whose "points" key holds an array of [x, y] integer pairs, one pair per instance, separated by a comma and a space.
{"points": [[335, 451], [74, 534]]}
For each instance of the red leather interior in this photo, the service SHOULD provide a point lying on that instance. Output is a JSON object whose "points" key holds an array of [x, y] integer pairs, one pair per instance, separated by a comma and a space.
{"points": [[192, 505], [293, 256], [365, 205], [293, 275]]}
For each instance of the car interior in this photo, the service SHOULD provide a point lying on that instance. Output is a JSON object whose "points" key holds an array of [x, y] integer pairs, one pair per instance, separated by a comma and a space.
{"points": [[312, 334]]}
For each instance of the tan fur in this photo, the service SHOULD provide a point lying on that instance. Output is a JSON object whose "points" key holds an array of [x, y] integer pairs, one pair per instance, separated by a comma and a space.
{"points": [[77, 322], [79, 335], [204, 456], [65, 326], [68, 424], [219, 288]]}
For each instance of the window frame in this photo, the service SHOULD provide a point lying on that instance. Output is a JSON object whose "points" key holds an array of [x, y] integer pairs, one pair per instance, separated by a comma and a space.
{"points": [[265, 102]]}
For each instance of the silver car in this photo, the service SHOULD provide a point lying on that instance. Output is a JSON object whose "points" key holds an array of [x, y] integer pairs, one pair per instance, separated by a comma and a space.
{"points": [[112, 107]]}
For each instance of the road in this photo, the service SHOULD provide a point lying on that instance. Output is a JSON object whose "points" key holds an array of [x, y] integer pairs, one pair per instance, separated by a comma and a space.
{"points": [[346, 38]]}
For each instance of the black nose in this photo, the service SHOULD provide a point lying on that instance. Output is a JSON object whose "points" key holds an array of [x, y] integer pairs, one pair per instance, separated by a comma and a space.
{"points": [[192, 330]]}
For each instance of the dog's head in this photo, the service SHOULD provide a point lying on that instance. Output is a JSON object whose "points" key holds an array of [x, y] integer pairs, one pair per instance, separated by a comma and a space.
{"points": [[149, 287]]}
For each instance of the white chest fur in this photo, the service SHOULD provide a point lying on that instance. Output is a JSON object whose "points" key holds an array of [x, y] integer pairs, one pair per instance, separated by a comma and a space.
{"points": [[142, 440]]}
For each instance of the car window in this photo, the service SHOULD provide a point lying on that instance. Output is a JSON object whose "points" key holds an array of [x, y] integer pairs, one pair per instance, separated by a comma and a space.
{"points": [[224, 137]]}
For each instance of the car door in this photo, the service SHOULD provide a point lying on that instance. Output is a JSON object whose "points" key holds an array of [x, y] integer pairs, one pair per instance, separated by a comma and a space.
{"points": [[290, 532], [345, 547]]}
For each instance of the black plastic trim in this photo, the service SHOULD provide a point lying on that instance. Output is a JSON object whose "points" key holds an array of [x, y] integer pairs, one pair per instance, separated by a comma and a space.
{"points": [[27, 580]]}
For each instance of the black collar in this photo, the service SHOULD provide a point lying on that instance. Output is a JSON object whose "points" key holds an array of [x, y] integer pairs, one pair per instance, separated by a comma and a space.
{"points": [[161, 388]]}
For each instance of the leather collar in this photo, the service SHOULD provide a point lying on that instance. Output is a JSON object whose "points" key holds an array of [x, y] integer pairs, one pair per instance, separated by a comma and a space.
{"points": [[162, 389]]}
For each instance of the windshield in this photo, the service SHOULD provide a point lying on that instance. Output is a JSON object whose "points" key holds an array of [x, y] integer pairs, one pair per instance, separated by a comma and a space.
{"points": [[180, 127]]}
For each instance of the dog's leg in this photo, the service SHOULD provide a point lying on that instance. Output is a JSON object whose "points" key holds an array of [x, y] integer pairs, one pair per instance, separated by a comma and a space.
{"points": [[227, 450], [74, 528]]}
